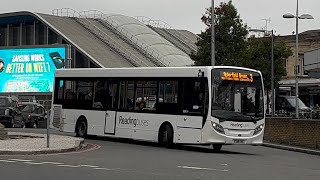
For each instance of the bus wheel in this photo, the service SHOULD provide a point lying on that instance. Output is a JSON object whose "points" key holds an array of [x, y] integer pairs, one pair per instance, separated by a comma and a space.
{"points": [[81, 128], [167, 136], [216, 147]]}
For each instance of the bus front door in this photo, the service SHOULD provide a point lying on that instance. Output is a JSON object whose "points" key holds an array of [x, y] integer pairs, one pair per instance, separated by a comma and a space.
{"points": [[111, 113]]}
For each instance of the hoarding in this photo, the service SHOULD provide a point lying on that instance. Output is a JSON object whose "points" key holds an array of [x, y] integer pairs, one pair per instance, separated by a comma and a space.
{"points": [[30, 69]]}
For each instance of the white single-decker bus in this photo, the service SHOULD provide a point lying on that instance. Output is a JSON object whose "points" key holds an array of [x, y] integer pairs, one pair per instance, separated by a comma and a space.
{"points": [[207, 105]]}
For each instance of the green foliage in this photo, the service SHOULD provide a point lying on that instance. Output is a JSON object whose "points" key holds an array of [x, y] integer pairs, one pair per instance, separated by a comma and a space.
{"points": [[232, 48], [258, 56], [230, 35]]}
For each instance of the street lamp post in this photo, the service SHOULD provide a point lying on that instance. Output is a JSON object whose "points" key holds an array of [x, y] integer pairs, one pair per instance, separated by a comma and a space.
{"points": [[272, 68], [297, 17], [213, 60], [272, 76]]}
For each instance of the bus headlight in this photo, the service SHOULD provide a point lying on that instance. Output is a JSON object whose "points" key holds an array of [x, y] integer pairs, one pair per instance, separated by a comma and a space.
{"points": [[7, 112], [258, 129], [217, 127]]}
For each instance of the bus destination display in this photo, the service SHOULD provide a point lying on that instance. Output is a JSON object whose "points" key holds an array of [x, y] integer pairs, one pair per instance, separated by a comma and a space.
{"points": [[236, 76]]}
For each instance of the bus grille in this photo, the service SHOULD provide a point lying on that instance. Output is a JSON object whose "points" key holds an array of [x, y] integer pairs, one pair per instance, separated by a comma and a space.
{"points": [[57, 112]]}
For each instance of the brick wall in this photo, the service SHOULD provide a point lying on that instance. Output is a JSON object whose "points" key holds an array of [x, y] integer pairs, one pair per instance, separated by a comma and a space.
{"points": [[300, 133]]}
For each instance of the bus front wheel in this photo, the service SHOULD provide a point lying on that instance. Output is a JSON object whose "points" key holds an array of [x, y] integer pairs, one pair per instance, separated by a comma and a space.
{"points": [[166, 136], [81, 128]]}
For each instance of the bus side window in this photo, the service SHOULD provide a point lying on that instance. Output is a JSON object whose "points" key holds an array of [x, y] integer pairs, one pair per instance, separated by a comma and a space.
{"points": [[146, 95], [84, 94], [126, 95], [70, 97], [193, 96], [168, 97], [99, 98]]}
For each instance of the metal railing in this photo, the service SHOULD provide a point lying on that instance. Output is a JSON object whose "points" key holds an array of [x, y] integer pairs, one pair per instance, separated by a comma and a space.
{"points": [[81, 19], [113, 25], [302, 115], [168, 28]]}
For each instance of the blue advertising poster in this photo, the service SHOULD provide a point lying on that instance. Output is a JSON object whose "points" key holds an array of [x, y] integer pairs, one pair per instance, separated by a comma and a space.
{"points": [[30, 69]]}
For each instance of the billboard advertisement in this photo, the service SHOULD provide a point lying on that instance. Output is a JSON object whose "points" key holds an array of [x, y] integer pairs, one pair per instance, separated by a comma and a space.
{"points": [[30, 69]]}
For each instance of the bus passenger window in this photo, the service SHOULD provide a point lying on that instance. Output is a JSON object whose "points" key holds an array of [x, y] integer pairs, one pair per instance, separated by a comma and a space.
{"points": [[146, 95], [168, 97], [84, 94], [99, 99], [126, 95]]}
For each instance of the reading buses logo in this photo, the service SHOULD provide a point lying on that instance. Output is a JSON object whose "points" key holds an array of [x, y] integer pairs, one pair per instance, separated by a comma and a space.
{"points": [[239, 125], [135, 122]]}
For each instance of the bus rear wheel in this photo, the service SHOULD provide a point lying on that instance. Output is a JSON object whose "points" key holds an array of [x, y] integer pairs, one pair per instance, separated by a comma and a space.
{"points": [[81, 128], [166, 136], [216, 147]]}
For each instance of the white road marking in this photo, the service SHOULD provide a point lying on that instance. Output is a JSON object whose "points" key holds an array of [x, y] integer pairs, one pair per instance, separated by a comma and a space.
{"points": [[90, 166], [66, 165], [20, 160], [36, 163], [54, 163], [103, 169], [2, 160], [58, 164], [224, 164], [200, 168]]}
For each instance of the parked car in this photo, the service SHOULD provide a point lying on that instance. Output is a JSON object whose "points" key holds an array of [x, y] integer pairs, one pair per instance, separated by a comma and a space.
{"points": [[10, 115], [34, 114], [285, 105]]}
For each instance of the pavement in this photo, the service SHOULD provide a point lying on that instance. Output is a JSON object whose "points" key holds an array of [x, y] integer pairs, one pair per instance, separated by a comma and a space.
{"points": [[292, 148], [36, 143]]}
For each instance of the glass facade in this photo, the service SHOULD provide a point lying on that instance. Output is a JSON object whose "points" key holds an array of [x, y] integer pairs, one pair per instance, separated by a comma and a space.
{"points": [[28, 31]]}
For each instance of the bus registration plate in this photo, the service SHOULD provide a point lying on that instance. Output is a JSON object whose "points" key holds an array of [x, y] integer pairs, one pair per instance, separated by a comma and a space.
{"points": [[239, 141]]}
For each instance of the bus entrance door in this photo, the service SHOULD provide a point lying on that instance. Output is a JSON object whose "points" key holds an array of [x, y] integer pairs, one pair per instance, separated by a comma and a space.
{"points": [[111, 113]]}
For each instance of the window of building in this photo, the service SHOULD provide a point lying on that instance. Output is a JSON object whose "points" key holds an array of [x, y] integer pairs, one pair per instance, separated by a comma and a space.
{"points": [[81, 61], [14, 35], [29, 34], [3, 30], [52, 37]]}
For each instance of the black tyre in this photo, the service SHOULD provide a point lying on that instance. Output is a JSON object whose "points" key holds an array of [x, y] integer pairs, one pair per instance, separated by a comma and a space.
{"points": [[81, 128], [216, 147], [166, 136]]}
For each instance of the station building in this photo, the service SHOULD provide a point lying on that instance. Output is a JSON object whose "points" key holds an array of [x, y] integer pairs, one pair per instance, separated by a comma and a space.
{"points": [[33, 45]]}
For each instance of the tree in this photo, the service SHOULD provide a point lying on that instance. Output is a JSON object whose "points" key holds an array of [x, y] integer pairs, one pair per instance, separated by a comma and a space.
{"points": [[230, 35], [258, 56], [233, 47]]}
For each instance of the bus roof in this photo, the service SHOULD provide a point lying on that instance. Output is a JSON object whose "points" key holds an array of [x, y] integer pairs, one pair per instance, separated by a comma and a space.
{"points": [[191, 71]]}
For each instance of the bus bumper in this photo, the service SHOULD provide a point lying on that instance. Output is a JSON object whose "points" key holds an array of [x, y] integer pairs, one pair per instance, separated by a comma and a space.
{"points": [[210, 136]]}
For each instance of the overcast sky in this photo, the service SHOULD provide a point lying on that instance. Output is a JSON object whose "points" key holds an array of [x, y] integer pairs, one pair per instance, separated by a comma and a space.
{"points": [[184, 14]]}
